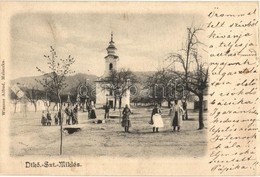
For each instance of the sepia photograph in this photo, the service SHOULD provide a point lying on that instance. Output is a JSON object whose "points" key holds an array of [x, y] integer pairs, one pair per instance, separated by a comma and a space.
{"points": [[129, 88], [126, 85]]}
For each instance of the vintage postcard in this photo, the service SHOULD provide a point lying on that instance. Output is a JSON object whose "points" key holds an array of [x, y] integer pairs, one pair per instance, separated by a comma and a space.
{"points": [[129, 88]]}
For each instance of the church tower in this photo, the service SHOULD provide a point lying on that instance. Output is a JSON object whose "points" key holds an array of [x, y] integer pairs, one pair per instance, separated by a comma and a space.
{"points": [[111, 58], [104, 96]]}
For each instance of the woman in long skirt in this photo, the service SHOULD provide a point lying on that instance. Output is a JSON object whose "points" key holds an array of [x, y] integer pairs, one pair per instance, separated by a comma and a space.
{"points": [[156, 118], [126, 122], [44, 118], [75, 115], [93, 113], [68, 114], [176, 115]]}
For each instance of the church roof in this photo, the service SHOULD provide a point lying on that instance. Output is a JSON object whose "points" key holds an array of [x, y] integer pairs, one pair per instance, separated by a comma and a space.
{"points": [[114, 56], [111, 48]]}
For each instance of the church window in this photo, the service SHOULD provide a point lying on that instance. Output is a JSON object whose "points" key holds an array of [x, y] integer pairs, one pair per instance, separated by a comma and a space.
{"points": [[110, 66]]}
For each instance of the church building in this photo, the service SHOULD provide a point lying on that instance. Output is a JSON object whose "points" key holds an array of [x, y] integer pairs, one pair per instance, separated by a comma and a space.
{"points": [[103, 95]]}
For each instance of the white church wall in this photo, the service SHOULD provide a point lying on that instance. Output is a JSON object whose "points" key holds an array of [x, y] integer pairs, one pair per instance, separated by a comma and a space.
{"points": [[126, 99], [100, 96], [190, 105]]}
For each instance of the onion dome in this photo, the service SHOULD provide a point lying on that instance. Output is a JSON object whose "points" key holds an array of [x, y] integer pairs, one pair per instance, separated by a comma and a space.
{"points": [[111, 49]]}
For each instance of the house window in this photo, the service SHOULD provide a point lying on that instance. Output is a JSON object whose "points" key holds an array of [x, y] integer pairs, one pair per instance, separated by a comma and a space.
{"points": [[111, 104], [110, 66]]}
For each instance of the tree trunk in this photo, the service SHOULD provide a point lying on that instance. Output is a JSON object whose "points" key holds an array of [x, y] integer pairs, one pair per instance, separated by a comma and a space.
{"points": [[186, 114], [15, 107], [35, 106], [60, 108], [201, 124], [120, 102], [186, 110], [115, 103]]}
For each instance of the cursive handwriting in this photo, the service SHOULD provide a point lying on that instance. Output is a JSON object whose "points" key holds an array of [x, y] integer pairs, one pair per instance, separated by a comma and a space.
{"points": [[233, 90]]}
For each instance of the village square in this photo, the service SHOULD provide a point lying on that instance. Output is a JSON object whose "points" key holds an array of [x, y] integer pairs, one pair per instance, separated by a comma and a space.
{"points": [[121, 112]]}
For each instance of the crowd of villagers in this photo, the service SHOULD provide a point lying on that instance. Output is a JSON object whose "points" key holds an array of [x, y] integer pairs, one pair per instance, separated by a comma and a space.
{"points": [[177, 114]]}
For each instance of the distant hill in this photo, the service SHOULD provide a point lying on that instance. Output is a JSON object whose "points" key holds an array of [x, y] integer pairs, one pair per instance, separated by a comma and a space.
{"points": [[28, 81], [73, 80], [142, 75]]}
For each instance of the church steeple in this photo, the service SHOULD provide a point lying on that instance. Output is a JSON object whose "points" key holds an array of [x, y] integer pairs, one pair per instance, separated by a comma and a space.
{"points": [[111, 49], [111, 36], [111, 58]]}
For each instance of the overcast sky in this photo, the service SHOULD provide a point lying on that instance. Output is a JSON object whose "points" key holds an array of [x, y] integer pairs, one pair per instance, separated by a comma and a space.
{"points": [[142, 40]]}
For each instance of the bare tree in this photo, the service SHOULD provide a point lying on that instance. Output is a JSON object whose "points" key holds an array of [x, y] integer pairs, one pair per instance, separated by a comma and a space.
{"points": [[195, 78], [15, 99], [47, 100], [118, 83], [33, 95], [54, 81], [160, 87]]}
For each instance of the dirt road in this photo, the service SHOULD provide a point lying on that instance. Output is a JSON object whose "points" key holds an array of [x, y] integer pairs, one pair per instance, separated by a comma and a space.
{"points": [[28, 137]]}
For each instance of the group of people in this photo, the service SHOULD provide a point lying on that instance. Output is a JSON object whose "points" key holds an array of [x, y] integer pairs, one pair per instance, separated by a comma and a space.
{"points": [[70, 112], [46, 118], [177, 114], [71, 115]]}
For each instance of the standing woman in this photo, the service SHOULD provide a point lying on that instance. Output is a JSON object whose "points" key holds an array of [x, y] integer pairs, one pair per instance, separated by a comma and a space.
{"points": [[93, 112], [126, 122], [75, 114], [67, 112], [44, 118], [176, 115], [156, 118]]}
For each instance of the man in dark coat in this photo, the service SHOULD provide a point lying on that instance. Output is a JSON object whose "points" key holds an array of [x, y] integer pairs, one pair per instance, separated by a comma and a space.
{"points": [[107, 108], [185, 113]]}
